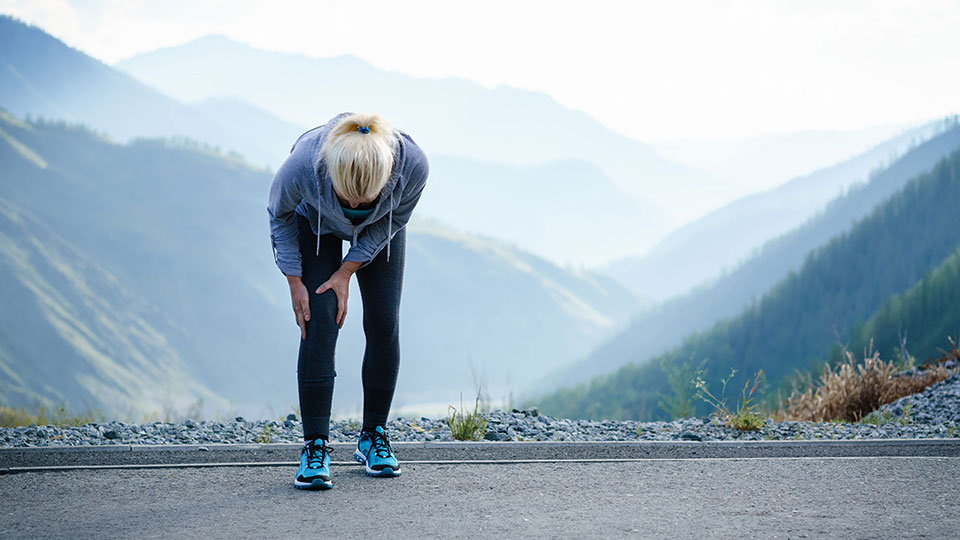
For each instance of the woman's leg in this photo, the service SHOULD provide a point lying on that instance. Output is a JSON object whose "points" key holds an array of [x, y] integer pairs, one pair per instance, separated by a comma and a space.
{"points": [[315, 364], [380, 284]]}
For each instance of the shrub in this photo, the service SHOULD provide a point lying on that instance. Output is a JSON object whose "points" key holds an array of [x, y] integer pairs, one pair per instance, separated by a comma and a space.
{"points": [[744, 417], [851, 390]]}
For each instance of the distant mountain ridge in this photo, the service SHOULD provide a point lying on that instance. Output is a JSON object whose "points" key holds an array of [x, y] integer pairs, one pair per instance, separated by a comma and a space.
{"points": [[760, 162], [41, 76], [450, 116], [697, 252], [124, 109]]}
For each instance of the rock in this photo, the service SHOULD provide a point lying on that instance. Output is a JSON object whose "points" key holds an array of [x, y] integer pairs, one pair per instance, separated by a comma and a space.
{"points": [[239, 419], [111, 434], [291, 417], [691, 436], [492, 435], [189, 423]]}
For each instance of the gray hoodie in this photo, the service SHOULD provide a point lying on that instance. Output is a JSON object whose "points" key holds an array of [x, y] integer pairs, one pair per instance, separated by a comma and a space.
{"points": [[302, 186]]}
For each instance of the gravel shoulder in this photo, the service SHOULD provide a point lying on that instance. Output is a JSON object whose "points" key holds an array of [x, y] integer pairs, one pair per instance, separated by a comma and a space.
{"points": [[933, 413]]}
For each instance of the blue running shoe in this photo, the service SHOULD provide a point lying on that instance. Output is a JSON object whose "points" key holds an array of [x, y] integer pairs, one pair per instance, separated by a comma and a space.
{"points": [[314, 471], [375, 453]]}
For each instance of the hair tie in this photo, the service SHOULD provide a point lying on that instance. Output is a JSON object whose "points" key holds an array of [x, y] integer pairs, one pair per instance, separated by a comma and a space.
{"points": [[364, 129]]}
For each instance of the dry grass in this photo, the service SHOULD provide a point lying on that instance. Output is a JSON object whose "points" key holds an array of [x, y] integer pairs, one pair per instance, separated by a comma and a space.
{"points": [[852, 390], [953, 353], [42, 416]]}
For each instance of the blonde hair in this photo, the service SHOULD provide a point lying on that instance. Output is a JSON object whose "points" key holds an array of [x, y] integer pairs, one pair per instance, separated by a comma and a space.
{"points": [[359, 162]]}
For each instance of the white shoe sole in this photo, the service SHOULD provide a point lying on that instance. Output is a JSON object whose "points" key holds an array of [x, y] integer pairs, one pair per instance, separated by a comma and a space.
{"points": [[316, 484], [360, 458]]}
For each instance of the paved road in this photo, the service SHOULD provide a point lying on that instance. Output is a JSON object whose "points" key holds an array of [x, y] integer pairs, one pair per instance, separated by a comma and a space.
{"points": [[853, 497]]}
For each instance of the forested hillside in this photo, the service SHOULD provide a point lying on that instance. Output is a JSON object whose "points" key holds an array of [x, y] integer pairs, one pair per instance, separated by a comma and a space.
{"points": [[839, 285], [655, 331], [926, 316]]}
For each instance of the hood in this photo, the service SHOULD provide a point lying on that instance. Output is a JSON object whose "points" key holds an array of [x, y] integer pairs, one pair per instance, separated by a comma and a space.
{"points": [[328, 202]]}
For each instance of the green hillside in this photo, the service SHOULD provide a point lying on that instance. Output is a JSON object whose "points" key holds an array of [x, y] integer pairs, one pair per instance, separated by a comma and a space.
{"points": [[840, 285], [73, 334], [926, 315]]}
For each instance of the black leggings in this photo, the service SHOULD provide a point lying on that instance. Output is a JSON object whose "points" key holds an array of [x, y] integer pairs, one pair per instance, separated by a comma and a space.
{"points": [[380, 285]]}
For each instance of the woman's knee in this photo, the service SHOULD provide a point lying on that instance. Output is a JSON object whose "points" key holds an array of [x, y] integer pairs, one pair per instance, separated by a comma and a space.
{"points": [[323, 309]]}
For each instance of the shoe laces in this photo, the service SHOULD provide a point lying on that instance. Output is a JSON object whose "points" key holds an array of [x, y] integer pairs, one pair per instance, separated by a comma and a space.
{"points": [[316, 453], [380, 444]]}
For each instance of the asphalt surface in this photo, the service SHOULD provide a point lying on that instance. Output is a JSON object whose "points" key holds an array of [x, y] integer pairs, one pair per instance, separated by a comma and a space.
{"points": [[539, 497], [703, 498]]}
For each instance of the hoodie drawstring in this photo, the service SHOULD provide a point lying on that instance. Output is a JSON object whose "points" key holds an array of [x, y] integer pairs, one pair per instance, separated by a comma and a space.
{"points": [[318, 231], [390, 227], [389, 230]]}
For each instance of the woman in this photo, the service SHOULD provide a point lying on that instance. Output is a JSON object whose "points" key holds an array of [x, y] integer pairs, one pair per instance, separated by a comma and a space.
{"points": [[354, 178]]}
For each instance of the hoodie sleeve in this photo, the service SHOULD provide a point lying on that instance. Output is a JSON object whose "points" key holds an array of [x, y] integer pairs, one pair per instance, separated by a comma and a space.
{"points": [[284, 197], [375, 235]]}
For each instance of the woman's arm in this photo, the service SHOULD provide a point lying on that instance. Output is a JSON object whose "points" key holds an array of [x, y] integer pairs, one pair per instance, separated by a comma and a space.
{"points": [[282, 202]]}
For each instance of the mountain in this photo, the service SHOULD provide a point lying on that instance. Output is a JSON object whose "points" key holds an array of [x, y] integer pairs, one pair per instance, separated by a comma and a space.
{"points": [[448, 116], [272, 135], [185, 231], [43, 77], [700, 251], [762, 162], [840, 285], [658, 329], [34, 59]]}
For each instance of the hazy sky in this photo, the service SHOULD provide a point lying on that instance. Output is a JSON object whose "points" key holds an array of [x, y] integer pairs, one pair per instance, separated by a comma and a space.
{"points": [[656, 71]]}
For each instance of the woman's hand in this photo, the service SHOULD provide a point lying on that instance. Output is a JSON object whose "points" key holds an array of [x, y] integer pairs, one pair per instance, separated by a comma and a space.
{"points": [[340, 283], [301, 303]]}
